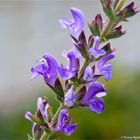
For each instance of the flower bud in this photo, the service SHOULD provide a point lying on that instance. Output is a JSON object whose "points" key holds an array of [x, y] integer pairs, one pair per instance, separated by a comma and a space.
{"points": [[128, 11], [90, 41], [107, 8], [31, 117], [115, 33], [81, 44], [96, 25], [36, 131]]}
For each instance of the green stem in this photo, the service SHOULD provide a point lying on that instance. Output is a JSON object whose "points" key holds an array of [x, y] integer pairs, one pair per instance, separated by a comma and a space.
{"points": [[104, 32], [111, 21], [46, 136], [119, 5], [56, 115], [86, 63], [106, 29]]}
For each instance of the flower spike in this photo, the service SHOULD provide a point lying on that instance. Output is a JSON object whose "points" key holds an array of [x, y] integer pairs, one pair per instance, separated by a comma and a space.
{"points": [[80, 87]]}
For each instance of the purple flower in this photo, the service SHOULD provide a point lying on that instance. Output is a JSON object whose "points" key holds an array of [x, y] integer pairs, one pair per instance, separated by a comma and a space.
{"points": [[97, 25], [72, 68], [75, 24], [41, 114], [94, 50], [48, 69], [101, 68], [96, 105], [42, 107], [28, 116], [88, 74], [92, 97], [69, 98], [64, 125]]}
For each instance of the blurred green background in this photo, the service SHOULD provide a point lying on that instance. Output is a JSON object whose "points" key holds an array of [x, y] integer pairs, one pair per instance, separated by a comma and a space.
{"points": [[28, 29], [120, 117]]}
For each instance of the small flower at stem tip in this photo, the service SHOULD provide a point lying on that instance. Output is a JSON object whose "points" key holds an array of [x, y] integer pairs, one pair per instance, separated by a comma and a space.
{"points": [[75, 24]]}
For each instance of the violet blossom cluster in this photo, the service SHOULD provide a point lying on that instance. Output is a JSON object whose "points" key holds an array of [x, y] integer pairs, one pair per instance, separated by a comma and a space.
{"points": [[81, 87]]}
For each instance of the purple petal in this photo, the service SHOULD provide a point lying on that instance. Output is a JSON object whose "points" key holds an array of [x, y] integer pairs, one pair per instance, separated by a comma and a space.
{"points": [[41, 107], [95, 51], [64, 125], [40, 69], [51, 80], [79, 20], [73, 59], [66, 22], [104, 69], [93, 89], [33, 128], [96, 105], [70, 98], [52, 64], [66, 74], [69, 128], [104, 60], [77, 53], [27, 116], [76, 24], [71, 70], [52, 70], [34, 73], [48, 70], [63, 116], [107, 71], [88, 74]]}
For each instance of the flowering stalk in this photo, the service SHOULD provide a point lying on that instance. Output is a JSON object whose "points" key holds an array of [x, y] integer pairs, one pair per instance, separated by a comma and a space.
{"points": [[103, 33], [85, 64], [119, 5], [111, 20], [81, 88]]}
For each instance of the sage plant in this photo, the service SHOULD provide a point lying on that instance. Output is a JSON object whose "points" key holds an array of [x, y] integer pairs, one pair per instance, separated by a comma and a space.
{"points": [[81, 87]]}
